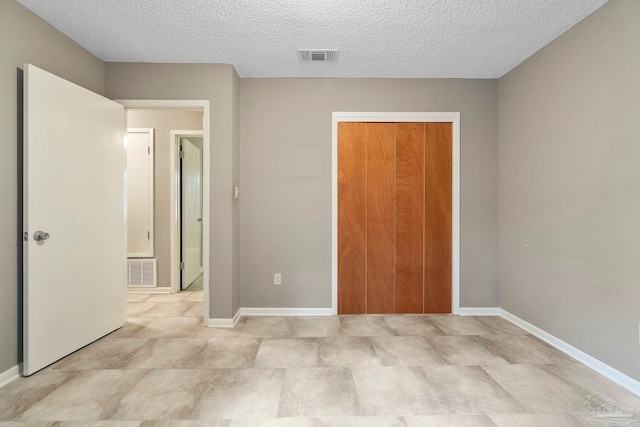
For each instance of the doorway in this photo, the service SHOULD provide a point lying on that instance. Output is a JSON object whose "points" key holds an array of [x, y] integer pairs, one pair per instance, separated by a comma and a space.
{"points": [[452, 121], [188, 145], [172, 167]]}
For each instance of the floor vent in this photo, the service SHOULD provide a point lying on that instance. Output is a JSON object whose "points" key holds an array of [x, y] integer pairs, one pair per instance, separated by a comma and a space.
{"points": [[318, 54], [142, 272]]}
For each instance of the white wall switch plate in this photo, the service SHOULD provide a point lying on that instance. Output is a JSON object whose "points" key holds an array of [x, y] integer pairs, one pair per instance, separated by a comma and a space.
{"points": [[277, 279]]}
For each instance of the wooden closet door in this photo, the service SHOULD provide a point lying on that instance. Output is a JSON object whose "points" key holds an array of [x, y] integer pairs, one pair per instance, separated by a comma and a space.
{"points": [[409, 217], [352, 193], [438, 208], [394, 217], [380, 217]]}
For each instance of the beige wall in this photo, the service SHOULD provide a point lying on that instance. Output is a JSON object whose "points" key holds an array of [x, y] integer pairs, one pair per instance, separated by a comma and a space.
{"points": [[285, 176], [215, 83], [26, 38], [163, 121], [570, 187]]}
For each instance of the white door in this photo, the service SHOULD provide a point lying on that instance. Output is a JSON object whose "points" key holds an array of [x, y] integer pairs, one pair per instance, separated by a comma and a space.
{"points": [[74, 218], [140, 193], [191, 212]]}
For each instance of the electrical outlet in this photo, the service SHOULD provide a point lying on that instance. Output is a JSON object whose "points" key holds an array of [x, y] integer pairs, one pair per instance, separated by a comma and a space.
{"points": [[277, 279]]}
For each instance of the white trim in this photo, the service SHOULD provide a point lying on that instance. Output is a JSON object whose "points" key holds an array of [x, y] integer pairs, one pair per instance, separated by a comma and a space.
{"points": [[151, 214], [9, 375], [225, 323], [237, 316], [447, 117], [266, 311], [162, 104], [220, 323], [277, 311], [613, 374], [206, 172], [479, 311], [175, 229], [146, 290]]}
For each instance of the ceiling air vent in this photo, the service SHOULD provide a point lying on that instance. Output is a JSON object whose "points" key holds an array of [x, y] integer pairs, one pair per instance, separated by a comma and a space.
{"points": [[318, 54]]}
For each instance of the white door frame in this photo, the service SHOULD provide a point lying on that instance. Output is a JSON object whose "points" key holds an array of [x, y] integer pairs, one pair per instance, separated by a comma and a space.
{"points": [[451, 117], [149, 104], [176, 231]]}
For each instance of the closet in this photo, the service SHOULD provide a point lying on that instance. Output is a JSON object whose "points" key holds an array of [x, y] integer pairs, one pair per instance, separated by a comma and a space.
{"points": [[394, 217]]}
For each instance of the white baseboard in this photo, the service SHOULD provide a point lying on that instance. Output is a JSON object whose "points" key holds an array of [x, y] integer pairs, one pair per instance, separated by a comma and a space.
{"points": [[276, 311], [479, 311], [267, 311], [613, 374], [237, 316], [9, 375], [220, 323], [145, 290], [225, 322]]}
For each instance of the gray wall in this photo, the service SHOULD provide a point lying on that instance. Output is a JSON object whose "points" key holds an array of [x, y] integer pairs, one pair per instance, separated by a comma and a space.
{"points": [[285, 175], [163, 121], [570, 187], [26, 38], [213, 82]]}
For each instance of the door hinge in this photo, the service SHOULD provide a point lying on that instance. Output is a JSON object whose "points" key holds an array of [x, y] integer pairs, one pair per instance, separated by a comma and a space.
{"points": [[149, 235], [149, 150], [182, 266], [181, 154]]}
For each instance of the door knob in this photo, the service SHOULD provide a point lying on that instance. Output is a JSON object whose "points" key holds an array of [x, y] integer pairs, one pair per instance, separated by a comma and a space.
{"points": [[199, 219], [39, 236]]}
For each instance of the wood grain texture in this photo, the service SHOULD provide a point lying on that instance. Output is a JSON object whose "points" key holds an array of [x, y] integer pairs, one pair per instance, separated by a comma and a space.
{"points": [[352, 199], [380, 217], [409, 217], [438, 222]]}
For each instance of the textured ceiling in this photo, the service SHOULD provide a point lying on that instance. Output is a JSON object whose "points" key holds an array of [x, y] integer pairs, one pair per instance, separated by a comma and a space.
{"points": [[376, 38]]}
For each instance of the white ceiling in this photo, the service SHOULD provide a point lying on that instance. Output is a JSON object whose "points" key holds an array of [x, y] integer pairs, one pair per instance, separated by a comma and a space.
{"points": [[376, 38]]}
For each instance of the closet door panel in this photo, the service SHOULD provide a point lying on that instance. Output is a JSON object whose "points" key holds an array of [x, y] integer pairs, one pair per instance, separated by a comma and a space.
{"points": [[438, 207], [409, 217], [380, 217], [352, 193]]}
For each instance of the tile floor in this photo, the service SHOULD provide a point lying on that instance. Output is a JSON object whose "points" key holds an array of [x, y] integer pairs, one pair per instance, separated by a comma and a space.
{"points": [[163, 368]]}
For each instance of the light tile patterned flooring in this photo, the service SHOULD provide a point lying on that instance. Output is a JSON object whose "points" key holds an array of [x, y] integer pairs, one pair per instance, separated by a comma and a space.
{"points": [[163, 368]]}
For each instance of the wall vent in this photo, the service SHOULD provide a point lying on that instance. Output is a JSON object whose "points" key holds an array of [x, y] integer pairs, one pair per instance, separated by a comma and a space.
{"points": [[142, 272], [318, 54]]}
